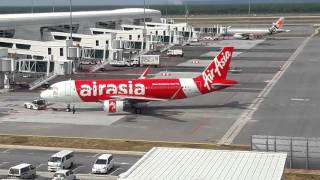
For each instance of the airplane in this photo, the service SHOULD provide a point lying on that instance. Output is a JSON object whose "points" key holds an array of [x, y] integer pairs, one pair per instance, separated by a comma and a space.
{"points": [[122, 95], [247, 33]]}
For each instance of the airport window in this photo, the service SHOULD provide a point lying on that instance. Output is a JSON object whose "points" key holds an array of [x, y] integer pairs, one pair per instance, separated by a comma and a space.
{"points": [[23, 46], [76, 39], [7, 33], [38, 57], [130, 37], [97, 32], [49, 51], [60, 37], [97, 42], [5, 44], [61, 51]]}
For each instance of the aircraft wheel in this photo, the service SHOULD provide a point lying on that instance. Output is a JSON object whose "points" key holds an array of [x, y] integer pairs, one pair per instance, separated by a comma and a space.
{"points": [[138, 110]]}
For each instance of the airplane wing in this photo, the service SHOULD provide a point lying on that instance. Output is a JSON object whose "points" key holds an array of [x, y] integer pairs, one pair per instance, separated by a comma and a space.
{"points": [[145, 73], [136, 98]]}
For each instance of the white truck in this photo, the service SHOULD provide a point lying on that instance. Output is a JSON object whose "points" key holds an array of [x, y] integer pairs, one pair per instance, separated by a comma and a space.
{"points": [[175, 52], [149, 60], [143, 60]]}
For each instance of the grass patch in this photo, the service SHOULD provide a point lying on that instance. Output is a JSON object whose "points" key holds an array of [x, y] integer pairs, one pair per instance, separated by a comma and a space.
{"points": [[106, 144], [300, 174]]}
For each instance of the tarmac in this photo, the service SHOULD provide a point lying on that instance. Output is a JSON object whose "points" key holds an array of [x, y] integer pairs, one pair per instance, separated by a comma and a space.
{"points": [[206, 118]]}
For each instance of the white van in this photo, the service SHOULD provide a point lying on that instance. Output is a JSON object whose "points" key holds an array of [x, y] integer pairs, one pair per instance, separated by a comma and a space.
{"points": [[61, 160], [22, 171], [103, 164]]}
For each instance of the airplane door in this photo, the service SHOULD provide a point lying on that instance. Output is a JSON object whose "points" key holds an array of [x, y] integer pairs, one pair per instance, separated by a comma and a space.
{"points": [[68, 88], [55, 92]]}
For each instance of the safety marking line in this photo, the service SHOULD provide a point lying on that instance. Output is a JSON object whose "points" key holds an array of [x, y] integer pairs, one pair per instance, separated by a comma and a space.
{"points": [[240, 123]]}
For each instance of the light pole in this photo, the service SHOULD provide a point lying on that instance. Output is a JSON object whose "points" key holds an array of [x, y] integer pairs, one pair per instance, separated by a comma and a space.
{"points": [[144, 25], [32, 4], [70, 8], [249, 7], [53, 5]]}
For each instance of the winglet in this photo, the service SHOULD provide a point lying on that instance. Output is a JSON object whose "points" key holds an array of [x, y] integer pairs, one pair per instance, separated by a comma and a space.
{"points": [[145, 73]]}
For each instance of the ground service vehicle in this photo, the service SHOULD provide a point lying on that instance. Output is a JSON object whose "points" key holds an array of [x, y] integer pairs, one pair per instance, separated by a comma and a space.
{"points": [[38, 104], [61, 160], [22, 171], [175, 52], [103, 164], [149, 60], [64, 175]]}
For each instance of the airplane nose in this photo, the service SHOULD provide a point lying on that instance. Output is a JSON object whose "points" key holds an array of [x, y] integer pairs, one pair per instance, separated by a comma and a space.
{"points": [[45, 94]]}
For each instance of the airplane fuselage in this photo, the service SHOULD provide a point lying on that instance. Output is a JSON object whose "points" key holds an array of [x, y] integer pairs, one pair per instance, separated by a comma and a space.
{"points": [[100, 90]]}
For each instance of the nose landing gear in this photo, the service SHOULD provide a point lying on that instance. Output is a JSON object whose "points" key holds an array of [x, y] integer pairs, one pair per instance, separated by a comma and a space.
{"points": [[68, 109]]}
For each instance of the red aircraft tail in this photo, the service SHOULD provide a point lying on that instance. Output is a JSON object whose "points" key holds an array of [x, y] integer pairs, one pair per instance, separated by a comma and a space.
{"points": [[216, 72]]}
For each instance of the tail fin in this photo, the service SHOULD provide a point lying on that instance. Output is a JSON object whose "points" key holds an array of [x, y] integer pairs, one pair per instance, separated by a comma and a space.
{"points": [[280, 22], [217, 70]]}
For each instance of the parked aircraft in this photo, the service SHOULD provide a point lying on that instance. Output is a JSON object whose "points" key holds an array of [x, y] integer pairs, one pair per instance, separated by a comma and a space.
{"points": [[119, 95], [249, 33]]}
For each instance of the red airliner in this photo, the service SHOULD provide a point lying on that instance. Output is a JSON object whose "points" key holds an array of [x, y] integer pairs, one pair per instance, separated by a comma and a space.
{"points": [[119, 95]]}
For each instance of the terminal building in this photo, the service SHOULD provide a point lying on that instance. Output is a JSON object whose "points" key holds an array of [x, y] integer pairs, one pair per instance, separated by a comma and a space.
{"points": [[47, 43]]}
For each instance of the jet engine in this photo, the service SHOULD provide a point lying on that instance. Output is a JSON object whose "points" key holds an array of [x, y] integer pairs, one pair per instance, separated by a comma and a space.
{"points": [[113, 106], [241, 36]]}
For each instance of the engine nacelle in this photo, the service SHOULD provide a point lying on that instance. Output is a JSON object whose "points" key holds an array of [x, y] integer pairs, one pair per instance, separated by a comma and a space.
{"points": [[241, 36], [113, 106]]}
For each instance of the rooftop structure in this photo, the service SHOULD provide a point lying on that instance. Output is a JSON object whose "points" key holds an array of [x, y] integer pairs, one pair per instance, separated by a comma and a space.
{"points": [[184, 163]]}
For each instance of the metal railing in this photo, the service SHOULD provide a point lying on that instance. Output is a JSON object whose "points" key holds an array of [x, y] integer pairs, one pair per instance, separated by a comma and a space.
{"points": [[39, 82], [302, 152]]}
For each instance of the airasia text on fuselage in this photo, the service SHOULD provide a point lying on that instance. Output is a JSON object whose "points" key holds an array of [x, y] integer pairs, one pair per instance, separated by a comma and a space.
{"points": [[101, 89]]}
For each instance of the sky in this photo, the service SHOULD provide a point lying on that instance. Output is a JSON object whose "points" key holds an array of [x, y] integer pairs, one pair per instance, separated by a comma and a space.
{"points": [[123, 2]]}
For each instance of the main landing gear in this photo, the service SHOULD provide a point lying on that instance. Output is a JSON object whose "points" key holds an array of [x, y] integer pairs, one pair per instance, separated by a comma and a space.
{"points": [[68, 109], [137, 110]]}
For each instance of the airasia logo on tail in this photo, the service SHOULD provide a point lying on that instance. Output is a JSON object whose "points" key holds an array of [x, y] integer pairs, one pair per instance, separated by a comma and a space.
{"points": [[215, 69]]}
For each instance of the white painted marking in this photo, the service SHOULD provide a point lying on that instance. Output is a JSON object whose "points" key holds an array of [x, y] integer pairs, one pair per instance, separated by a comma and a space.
{"points": [[239, 124], [300, 99], [40, 165], [115, 171], [95, 155], [6, 151], [77, 168], [122, 163], [3, 163]]}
